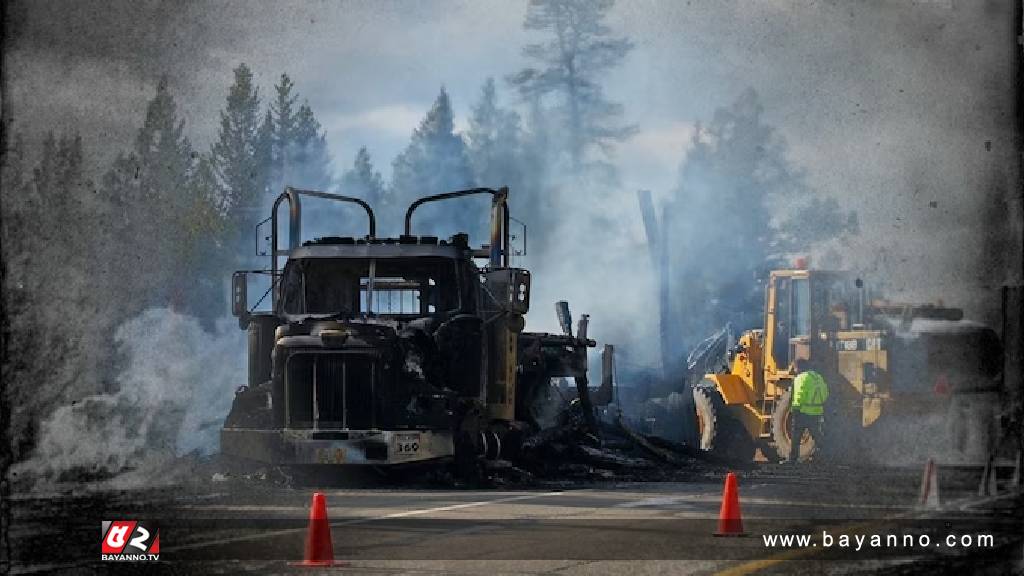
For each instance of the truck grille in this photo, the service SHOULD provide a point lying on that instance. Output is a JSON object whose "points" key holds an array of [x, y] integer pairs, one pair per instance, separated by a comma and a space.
{"points": [[333, 390]]}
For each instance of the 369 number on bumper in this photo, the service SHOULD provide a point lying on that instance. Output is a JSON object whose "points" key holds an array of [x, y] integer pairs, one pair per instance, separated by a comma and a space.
{"points": [[405, 445]]}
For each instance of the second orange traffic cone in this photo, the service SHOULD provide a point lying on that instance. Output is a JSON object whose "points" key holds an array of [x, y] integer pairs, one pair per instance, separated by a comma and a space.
{"points": [[730, 519], [319, 549]]}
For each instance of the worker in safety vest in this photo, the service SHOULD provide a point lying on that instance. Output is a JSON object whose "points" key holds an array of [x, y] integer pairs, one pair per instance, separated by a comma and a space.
{"points": [[809, 395]]}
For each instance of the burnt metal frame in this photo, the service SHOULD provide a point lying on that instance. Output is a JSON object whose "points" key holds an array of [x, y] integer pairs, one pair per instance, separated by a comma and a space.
{"points": [[295, 222], [499, 253], [498, 249]]}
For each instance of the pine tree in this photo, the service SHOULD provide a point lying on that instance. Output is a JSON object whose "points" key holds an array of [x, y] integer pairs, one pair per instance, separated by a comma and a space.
{"points": [[166, 207], [148, 190], [264, 154], [572, 64], [235, 151], [239, 159], [56, 269], [362, 181], [435, 161], [299, 154], [739, 160], [493, 142], [205, 258], [312, 164], [163, 150], [283, 113]]}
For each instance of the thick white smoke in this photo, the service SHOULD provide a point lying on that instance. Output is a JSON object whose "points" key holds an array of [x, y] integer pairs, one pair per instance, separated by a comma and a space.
{"points": [[598, 261], [173, 394]]}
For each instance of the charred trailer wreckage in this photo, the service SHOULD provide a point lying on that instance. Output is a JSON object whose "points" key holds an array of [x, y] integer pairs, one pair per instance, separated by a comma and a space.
{"points": [[392, 351]]}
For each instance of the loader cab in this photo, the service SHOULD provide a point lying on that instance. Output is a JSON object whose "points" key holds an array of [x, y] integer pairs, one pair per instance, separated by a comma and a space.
{"points": [[787, 317], [803, 309]]}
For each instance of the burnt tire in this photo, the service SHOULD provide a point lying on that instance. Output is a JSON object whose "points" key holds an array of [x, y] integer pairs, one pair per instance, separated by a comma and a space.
{"points": [[719, 433], [782, 426]]}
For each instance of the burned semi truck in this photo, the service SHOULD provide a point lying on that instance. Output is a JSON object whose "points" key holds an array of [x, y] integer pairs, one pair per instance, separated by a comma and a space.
{"points": [[390, 351]]}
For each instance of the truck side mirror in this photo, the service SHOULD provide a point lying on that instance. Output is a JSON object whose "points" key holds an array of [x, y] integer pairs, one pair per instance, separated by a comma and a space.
{"points": [[239, 298]]}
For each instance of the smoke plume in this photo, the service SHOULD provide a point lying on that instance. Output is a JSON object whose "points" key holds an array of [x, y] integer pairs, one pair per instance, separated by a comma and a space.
{"points": [[172, 397]]}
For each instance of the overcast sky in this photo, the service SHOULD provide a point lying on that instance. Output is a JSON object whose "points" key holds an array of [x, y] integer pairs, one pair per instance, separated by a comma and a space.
{"points": [[901, 110]]}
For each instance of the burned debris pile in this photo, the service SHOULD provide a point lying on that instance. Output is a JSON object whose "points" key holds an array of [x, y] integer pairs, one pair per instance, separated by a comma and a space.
{"points": [[568, 453]]}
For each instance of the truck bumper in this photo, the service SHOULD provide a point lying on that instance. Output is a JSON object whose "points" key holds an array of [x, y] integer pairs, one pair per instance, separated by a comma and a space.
{"points": [[350, 447]]}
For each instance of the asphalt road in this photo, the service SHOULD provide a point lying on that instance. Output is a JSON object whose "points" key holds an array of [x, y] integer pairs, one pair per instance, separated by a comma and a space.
{"points": [[608, 528]]}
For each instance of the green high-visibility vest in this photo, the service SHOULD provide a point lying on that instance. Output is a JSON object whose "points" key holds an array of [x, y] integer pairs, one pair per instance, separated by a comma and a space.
{"points": [[809, 393]]}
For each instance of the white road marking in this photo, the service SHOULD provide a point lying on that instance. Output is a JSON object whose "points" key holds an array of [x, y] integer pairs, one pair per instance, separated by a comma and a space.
{"points": [[660, 501], [445, 508], [245, 508], [274, 533], [715, 498]]}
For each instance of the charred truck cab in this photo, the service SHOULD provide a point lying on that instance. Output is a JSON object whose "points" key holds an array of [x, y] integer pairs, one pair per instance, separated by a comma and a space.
{"points": [[386, 351]]}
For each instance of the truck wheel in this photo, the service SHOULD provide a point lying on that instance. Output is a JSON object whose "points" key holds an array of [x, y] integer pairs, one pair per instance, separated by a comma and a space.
{"points": [[781, 426], [719, 433]]}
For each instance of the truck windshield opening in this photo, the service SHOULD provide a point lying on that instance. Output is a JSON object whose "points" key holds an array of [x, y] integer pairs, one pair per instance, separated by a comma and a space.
{"points": [[400, 287]]}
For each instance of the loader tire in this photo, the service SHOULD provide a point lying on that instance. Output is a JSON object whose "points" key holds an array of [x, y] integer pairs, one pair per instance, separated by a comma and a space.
{"points": [[782, 426], [719, 433]]}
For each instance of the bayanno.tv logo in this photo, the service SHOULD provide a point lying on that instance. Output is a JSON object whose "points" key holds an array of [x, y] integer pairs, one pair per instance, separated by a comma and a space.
{"points": [[130, 541]]}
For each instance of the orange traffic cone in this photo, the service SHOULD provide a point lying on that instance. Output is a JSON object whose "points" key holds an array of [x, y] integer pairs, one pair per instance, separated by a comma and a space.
{"points": [[730, 520], [929, 497], [319, 549]]}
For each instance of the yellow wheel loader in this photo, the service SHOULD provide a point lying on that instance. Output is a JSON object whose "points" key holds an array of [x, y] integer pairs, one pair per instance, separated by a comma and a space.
{"points": [[880, 360]]}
